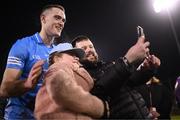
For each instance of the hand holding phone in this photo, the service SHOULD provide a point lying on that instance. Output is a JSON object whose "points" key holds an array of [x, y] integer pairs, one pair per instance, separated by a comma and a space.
{"points": [[140, 32]]}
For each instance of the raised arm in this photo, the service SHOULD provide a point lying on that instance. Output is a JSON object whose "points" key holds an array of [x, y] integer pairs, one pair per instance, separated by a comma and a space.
{"points": [[62, 87]]}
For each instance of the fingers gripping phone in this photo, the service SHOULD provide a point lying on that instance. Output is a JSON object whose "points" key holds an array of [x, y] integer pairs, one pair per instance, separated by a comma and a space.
{"points": [[140, 32]]}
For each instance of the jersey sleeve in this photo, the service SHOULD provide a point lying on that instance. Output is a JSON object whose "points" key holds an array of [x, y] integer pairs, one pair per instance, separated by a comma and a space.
{"points": [[17, 55]]}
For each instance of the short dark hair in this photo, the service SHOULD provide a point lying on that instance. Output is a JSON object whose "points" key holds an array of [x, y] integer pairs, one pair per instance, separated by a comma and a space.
{"points": [[79, 38], [49, 6]]}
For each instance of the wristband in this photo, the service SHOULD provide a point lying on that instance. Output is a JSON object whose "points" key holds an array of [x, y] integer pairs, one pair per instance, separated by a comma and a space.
{"points": [[106, 110], [126, 62]]}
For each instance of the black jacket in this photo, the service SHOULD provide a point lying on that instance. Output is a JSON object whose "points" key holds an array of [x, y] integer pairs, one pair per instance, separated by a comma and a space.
{"points": [[115, 83]]}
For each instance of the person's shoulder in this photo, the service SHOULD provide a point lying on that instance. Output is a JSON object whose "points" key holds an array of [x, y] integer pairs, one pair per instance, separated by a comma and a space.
{"points": [[25, 41], [28, 38]]}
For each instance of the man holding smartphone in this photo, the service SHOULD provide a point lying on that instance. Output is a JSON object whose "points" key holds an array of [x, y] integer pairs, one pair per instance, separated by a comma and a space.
{"points": [[115, 81]]}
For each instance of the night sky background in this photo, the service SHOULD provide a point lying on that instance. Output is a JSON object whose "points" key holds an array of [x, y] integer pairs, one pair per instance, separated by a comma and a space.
{"points": [[111, 25]]}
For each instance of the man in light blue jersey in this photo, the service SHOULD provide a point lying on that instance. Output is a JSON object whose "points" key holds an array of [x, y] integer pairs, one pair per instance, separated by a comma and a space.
{"points": [[20, 81]]}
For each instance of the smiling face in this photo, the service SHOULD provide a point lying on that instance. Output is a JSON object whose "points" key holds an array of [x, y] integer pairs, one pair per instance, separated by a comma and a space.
{"points": [[88, 47], [52, 21]]}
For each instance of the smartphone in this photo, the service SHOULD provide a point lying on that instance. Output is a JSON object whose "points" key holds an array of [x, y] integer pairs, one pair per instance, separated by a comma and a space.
{"points": [[140, 31]]}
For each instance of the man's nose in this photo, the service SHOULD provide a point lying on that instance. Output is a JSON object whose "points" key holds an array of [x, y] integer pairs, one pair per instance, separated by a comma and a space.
{"points": [[61, 23], [88, 50]]}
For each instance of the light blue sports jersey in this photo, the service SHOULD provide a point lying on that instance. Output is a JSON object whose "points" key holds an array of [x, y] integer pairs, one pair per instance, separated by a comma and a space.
{"points": [[23, 55]]}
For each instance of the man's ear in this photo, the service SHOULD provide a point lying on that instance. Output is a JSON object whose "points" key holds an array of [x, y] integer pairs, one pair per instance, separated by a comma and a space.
{"points": [[42, 18]]}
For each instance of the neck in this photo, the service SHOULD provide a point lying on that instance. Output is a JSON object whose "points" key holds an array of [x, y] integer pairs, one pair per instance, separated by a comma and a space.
{"points": [[47, 40]]}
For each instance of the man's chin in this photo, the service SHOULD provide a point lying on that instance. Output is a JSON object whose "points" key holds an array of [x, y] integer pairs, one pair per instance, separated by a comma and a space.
{"points": [[57, 34], [92, 60], [89, 60]]}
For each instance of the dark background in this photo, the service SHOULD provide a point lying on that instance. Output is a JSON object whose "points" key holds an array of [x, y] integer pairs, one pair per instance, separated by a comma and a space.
{"points": [[111, 24]]}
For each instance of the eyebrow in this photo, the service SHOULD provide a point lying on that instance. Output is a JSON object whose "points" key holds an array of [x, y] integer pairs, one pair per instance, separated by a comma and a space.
{"points": [[59, 17]]}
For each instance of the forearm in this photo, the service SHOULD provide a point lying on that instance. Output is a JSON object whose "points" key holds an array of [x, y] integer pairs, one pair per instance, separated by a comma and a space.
{"points": [[64, 90], [13, 88], [84, 103]]}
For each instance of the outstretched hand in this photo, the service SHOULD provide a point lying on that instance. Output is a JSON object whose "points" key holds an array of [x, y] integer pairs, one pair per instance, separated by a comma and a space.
{"points": [[139, 51], [34, 75], [151, 62]]}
